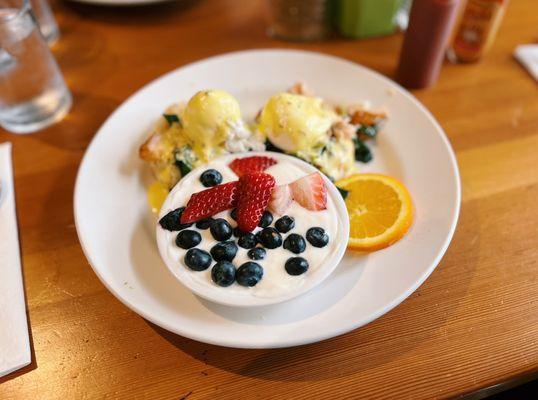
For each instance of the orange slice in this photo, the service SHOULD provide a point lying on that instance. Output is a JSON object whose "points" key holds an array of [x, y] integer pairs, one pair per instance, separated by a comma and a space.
{"points": [[380, 210]]}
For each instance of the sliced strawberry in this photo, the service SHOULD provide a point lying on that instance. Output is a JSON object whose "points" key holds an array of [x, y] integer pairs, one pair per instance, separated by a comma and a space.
{"points": [[281, 199], [254, 195], [250, 165], [310, 192], [210, 201]]}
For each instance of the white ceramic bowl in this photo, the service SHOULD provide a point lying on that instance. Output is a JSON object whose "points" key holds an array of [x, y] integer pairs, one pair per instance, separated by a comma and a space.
{"points": [[246, 298]]}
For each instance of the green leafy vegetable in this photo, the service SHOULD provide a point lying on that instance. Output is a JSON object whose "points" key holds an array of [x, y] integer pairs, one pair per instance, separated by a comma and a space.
{"points": [[184, 160], [171, 118], [271, 147], [343, 192], [362, 152], [368, 130], [183, 168]]}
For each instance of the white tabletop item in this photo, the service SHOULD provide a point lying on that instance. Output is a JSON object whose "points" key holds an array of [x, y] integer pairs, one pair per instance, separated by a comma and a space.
{"points": [[14, 340], [527, 55]]}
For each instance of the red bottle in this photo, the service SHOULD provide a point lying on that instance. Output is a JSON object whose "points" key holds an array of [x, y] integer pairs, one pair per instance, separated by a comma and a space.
{"points": [[425, 42]]}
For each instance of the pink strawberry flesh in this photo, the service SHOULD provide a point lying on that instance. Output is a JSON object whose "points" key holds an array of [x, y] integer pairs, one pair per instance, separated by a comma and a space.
{"points": [[281, 199], [210, 202], [250, 165], [310, 192], [254, 195]]}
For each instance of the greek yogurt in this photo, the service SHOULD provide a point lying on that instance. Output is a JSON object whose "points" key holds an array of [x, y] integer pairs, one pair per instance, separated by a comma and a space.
{"points": [[276, 284]]}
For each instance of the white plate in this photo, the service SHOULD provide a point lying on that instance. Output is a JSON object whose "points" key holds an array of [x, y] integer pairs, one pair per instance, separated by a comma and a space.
{"points": [[117, 231]]}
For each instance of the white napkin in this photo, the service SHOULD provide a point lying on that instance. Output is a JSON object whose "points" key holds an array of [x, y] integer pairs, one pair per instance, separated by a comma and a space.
{"points": [[14, 341], [527, 55]]}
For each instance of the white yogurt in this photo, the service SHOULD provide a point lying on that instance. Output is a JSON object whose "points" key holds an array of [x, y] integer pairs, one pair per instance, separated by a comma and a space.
{"points": [[276, 282]]}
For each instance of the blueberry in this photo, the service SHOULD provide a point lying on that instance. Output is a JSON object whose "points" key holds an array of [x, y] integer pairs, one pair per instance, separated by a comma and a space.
{"points": [[266, 219], [238, 232], [317, 237], [257, 253], [197, 260], [223, 273], [257, 235], [270, 238], [211, 177], [296, 266], [224, 251], [170, 221], [204, 223], [249, 274], [284, 224], [295, 243], [188, 238], [221, 229], [233, 214], [247, 241]]}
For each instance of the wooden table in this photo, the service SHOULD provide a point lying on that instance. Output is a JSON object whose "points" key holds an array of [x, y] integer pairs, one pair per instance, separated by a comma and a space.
{"points": [[473, 324]]}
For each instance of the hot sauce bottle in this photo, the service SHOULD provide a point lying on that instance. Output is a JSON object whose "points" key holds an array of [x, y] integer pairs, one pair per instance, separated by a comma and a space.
{"points": [[477, 29], [425, 42]]}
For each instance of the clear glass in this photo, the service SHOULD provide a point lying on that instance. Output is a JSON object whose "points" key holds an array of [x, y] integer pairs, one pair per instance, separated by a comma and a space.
{"points": [[33, 93], [299, 20], [45, 19]]}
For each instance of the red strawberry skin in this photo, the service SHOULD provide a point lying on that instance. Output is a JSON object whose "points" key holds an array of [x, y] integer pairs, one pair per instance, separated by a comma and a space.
{"points": [[254, 194], [210, 202], [250, 165]]}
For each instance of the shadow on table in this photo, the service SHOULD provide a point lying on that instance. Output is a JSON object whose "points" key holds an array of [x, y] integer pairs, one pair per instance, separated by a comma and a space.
{"points": [[79, 126], [378, 343], [132, 15]]}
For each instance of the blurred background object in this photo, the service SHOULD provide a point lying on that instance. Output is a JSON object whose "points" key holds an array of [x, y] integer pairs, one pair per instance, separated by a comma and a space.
{"points": [[307, 20], [33, 93], [527, 55], [423, 50], [299, 20], [367, 18], [45, 19], [477, 29], [402, 17], [125, 3]]}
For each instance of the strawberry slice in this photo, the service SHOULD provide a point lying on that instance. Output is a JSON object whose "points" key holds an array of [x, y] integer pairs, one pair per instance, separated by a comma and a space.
{"points": [[281, 199], [210, 201], [310, 192], [250, 165], [254, 195]]}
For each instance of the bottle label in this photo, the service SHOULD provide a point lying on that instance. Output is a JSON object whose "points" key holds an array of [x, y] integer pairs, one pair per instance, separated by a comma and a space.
{"points": [[478, 25]]}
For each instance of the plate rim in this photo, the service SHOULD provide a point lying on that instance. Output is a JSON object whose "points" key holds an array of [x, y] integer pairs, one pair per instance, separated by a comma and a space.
{"points": [[282, 343]]}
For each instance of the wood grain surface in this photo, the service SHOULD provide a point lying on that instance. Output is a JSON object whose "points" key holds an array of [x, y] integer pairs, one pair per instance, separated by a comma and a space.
{"points": [[471, 325]]}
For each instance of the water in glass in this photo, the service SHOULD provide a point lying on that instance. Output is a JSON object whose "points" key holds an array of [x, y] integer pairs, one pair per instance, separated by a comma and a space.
{"points": [[32, 90]]}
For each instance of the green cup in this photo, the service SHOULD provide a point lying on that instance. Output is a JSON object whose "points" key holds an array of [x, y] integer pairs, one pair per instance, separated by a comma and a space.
{"points": [[367, 18]]}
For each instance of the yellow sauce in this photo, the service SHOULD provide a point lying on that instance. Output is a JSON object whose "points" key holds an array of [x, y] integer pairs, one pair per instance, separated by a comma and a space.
{"points": [[157, 193], [296, 123], [207, 120]]}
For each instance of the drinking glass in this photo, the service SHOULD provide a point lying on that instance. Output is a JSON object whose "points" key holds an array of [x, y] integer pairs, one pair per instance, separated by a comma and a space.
{"points": [[45, 19], [299, 20], [33, 93]]}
